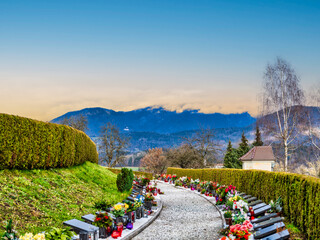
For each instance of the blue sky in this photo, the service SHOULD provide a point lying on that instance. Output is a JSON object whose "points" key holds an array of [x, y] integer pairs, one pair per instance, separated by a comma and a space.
{"points": [[58, 56]]}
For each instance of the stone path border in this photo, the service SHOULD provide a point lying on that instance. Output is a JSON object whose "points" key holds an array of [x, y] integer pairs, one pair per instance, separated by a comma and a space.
{"points": [[129, 234]]}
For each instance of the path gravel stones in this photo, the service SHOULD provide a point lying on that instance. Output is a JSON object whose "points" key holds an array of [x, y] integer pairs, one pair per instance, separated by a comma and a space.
{"points": [[185, 215]]}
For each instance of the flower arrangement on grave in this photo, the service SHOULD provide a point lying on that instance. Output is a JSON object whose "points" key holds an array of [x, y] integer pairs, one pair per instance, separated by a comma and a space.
{"points": [[227, 214], [238, 232], [235, 198], [239, 218], [276, 206], [174, 177], [152, 189], [163, 176], [136, 205], [240, 205], [119, 210], [130, 205], [149, 197], [145, 181], [102, 220]]}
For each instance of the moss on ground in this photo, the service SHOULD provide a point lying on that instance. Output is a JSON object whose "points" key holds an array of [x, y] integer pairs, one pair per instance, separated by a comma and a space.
{"points": [[37, 200]]}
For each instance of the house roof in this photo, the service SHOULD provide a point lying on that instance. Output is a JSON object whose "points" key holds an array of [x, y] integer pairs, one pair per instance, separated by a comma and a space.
{"points": [[259, 153]]}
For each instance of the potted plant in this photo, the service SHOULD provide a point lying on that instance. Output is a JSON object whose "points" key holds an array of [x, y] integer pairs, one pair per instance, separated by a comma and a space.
{"points": [[137, 209], [118, 211], [145, 181], [228, 217], [104, 222], [148, 201], [276, 206], [130, 210]]}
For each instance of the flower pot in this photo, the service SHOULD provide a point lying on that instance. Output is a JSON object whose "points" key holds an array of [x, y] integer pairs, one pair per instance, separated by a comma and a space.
{"points": [[104, 232], [133, 216], [119, 220], [138, 213], [228, 221], [148, 205], [129, 216]]}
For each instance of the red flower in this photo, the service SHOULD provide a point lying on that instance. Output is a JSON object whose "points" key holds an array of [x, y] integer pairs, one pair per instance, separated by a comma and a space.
{"points": [[106, 217], [98, 219]]}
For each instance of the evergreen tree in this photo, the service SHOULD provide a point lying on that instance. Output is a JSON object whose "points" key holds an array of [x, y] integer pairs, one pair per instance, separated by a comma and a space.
{"points": [[243, 146], [231, 158], [258, 140]]}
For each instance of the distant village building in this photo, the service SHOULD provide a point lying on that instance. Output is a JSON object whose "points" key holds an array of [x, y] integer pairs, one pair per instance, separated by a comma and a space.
{"points": [[261, 158], [219, 165]]}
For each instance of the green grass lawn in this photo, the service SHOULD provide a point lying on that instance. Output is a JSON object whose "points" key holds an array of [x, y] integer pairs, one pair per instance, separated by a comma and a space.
{"points": [[37, 200]]}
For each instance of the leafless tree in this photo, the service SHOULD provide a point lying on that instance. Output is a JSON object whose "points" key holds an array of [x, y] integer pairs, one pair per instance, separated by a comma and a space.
{"points": [[203, 141], [154, 161], [184, 157], [112, 145], [281, 104], [79, 122], [313, 121]]}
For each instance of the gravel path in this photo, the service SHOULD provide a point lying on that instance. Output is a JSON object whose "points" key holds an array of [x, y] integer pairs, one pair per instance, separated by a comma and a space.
{"points": [[185, 215]]}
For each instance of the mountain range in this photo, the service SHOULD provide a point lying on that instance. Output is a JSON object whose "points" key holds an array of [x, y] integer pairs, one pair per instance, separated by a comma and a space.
{"points": [[157, 127]]}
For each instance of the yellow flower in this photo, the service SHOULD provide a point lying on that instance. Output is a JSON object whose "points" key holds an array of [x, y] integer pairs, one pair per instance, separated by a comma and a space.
{"points": [[39, 236], [118, 207], [27, 236], [126, 206]]}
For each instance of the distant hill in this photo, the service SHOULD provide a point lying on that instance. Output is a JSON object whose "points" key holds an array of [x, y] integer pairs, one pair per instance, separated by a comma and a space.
{"points": [[158, 120]]}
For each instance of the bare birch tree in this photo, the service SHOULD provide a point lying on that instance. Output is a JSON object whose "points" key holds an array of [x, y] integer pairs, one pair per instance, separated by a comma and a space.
{"points": [[313, 122], [282, 100], [112, 145]]}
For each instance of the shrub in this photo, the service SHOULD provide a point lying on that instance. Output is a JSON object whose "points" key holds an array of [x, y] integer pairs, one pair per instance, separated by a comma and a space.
{"points": [[125, 179], [59, 233], [102, 204], [32, 144], [300, 194]]}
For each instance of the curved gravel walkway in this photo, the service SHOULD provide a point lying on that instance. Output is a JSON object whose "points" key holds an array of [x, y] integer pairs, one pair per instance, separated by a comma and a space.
{"points": [[185, 215]]}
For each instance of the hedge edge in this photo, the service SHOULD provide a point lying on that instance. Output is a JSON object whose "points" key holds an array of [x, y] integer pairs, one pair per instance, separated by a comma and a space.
{"points": [[30, 144]]}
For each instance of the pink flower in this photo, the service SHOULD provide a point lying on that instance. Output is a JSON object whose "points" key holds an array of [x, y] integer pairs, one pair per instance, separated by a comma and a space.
{"points": [[237, 226], [246, 222], [249, 226], [243, 228]]}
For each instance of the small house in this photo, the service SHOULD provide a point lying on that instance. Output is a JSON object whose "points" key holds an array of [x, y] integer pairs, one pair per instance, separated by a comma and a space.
{"points": [[261, 158]]}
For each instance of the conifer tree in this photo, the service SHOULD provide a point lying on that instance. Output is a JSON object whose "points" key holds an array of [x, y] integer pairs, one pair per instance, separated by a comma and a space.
{"points": [[231, 158], [258, 140], [243, 146]]}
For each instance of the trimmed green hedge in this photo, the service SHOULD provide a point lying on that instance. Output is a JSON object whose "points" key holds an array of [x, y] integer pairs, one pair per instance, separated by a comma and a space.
{"points": [[300, 194], [32, 144], [117, 171]]}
